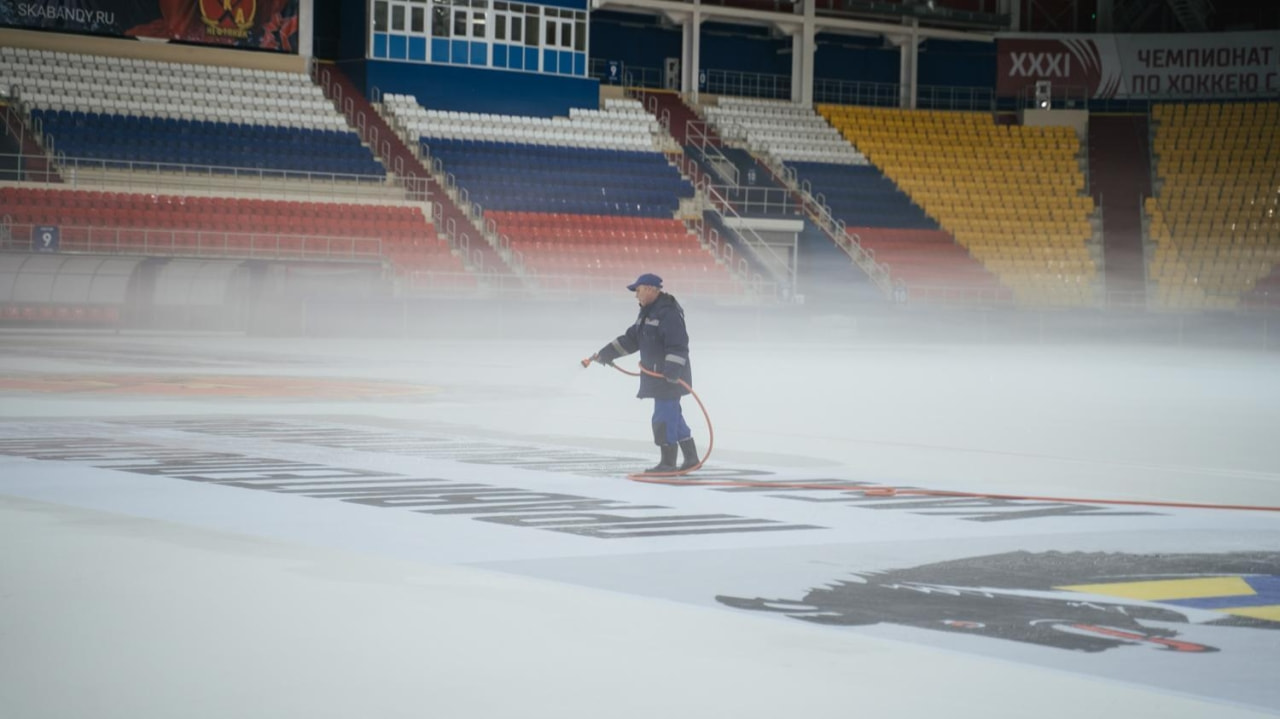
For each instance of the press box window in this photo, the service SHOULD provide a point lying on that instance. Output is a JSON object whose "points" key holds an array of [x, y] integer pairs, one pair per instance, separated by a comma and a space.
{"points": [[531, 25], [439, 20]]}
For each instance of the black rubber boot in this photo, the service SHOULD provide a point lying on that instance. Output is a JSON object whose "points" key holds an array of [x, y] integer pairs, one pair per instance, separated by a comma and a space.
{"points": [[690, 452], [668, 462]]}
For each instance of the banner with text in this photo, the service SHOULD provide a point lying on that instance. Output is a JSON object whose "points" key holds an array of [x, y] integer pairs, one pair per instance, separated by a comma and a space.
{"points": [[257, 24], [1245, 64]]}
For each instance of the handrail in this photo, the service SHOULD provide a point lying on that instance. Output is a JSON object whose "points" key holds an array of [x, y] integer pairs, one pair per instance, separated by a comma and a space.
{"points": [[575, 286], [747, 197], [697, 135], [203, 243], [184, 176], [764, 251], [821, 215]]}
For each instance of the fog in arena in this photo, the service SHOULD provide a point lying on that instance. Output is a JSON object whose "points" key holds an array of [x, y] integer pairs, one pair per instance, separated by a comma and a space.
{"points": [[639, 358]]}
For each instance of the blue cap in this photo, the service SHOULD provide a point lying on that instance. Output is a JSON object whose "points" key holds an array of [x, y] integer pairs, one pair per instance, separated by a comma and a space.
{"points": [[647, 278]]}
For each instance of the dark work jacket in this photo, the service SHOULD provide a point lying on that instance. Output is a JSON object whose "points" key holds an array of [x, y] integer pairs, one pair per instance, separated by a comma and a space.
{"points": [[660, 336]]}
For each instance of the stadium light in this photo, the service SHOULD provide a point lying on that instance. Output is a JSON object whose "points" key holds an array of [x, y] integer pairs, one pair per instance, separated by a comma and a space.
{"points": [[1044, 94]]}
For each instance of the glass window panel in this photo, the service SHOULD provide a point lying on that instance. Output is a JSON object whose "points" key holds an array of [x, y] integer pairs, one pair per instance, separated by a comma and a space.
{"points": [[439, 21], [566, 33], [500, 27], [499, 6], [397, 18], [477, 24], [379, 17], [418, 20], [459, 23], [517, 29], [580, 34], [551, 33], [531, 27]]}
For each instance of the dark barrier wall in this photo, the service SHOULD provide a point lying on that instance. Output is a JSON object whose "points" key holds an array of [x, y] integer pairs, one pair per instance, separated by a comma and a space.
{"points": [[953, 63], [444, 87], [635, 40], [257, 24], [642, 41], [855, 59], [744, 49]]}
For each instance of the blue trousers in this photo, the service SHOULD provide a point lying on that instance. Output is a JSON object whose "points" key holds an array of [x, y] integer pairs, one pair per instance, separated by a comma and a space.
{"points": [[667, 411]]}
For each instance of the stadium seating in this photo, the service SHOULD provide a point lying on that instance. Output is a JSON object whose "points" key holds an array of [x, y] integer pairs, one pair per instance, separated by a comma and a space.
{"points": [[932, 266], [1215, 217], [607, 165], [789, 132], [1011, 195], [621, 125], [126, 110], [95, 221], [588, 200], [858, 194], [613, 249], [862, 196]]}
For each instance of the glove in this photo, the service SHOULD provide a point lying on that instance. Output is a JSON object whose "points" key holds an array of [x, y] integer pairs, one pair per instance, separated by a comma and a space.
{"points": [[603, 357], [671, 373]]}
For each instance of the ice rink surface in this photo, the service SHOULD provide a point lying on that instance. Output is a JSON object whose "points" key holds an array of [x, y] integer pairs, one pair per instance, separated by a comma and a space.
{"points": [[219, 525]]}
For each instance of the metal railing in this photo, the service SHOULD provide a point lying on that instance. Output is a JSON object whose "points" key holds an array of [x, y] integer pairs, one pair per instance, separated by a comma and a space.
{"points": [[552, 286], [696, 134], [749, 199], [876, 94], [138, 176], [953, 295], [820, 213], [782, 267], [201, 243], [747, 84]]}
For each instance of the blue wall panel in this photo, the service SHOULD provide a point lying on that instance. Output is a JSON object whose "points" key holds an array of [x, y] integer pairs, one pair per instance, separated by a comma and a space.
{"points": [[447, 87], [398, 48], [439, 49], [380, 44], [418, 49]]}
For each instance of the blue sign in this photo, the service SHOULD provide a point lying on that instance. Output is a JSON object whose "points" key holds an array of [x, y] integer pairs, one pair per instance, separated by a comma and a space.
{"points": [[614, 73], [45, 238]]}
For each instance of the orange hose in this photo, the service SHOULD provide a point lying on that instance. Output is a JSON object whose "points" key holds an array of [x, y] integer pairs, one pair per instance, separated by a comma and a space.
{"points": [[711, 434], [890, 491], [675, 478]]}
